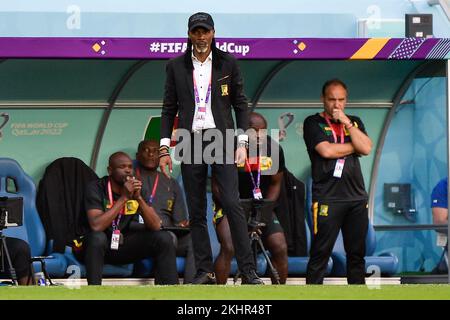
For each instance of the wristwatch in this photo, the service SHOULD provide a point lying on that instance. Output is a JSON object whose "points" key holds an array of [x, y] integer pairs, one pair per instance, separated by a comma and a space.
{"points": [[242, 144]]}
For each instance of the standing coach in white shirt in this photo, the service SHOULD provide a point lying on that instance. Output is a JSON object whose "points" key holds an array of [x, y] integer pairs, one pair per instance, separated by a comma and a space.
{"points": [[203, 86]]}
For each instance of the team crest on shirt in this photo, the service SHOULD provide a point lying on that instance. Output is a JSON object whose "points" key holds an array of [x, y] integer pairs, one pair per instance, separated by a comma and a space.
{"points": [[131, 207], [266, 164], [169, 204], [323, 210], [224, 89], [327, 130]]}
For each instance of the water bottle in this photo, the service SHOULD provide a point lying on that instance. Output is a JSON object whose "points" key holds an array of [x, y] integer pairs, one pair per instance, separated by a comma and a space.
{"points": [[40, 278]]}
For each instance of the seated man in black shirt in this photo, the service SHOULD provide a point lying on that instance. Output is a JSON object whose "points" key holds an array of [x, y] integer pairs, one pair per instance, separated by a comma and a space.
{"points": [[111, 203], [166, 197], [257, 179]]}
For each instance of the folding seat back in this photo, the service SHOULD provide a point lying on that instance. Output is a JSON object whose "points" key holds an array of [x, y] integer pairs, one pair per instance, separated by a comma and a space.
{"points": [[14, 182]]}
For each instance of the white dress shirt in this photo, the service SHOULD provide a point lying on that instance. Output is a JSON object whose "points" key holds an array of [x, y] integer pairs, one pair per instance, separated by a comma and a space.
{"points": [[202, 74]]}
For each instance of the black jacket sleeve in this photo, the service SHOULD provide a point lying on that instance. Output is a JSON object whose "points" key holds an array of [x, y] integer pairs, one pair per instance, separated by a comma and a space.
{"points": [[170, 102]]}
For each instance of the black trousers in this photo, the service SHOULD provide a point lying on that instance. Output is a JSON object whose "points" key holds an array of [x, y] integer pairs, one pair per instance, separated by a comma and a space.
{"points": [[20, 254], [183, 244], [136, 245], [195, 177], [328, 219]]}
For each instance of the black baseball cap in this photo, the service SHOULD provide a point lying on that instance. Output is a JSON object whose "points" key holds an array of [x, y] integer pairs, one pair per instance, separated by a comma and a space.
{"points": [[200, 19]]}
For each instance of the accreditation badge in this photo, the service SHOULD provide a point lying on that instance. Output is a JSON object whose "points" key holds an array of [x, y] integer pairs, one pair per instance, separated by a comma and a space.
{"points": [[115, 240], [339, 168], [257, 194], [441, 239]]}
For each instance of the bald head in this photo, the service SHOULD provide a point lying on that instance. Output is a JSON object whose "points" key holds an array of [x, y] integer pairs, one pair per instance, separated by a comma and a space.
{"points": [[117, 156], [258, 127], [120, 167], [257, 121], [148, 154]]}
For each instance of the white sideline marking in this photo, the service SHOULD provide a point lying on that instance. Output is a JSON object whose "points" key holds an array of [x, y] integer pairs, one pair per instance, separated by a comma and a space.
{"points": [[290, 281]]}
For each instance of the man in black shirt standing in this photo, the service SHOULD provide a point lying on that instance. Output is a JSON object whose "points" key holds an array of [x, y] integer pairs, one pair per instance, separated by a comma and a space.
{"points": [[335, 141], [111, 203]]}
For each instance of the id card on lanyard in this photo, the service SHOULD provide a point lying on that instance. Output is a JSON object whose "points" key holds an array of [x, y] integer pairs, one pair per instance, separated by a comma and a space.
{"points": [[200, 114], [339, 167], [257, 194], [117, 236]]}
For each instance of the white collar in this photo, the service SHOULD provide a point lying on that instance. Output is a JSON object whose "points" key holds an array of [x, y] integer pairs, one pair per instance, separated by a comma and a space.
{"points": [[194, 58]]}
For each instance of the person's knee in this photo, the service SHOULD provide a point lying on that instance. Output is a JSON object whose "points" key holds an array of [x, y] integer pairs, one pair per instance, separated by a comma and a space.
{"points": [[229, 203], [278, 247], [97, 239], [23, 249], [164, 241], [174, 238], [281, 249]]}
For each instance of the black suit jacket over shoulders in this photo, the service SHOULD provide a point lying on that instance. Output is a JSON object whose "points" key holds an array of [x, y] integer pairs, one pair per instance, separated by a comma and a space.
{"points": [[226, 93]]}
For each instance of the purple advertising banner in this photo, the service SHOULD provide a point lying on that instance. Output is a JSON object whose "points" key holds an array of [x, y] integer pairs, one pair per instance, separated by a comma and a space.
{"points": [[241, 48]]}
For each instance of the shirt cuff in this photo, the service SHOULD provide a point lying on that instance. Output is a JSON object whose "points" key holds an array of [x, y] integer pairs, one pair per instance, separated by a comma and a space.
{"points": [[243, 138], [164, 142]]}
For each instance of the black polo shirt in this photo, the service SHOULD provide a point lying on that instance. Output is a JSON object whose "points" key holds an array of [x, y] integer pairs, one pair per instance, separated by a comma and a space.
{"points": [[96, 197], [168, 202], [350, 187]]}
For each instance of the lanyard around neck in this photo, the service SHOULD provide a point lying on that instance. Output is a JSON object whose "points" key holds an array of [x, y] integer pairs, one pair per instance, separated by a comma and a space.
{"points": [[197, 96], [155, 185], [116, 222], [341, 131], [258, 176]]}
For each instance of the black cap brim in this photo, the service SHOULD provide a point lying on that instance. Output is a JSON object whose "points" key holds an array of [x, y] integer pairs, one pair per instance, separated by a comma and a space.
{"points": [[201, 24]]}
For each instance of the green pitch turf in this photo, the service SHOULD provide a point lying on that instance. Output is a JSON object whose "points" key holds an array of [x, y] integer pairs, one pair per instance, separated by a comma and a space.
{"points": [[268, 292]]}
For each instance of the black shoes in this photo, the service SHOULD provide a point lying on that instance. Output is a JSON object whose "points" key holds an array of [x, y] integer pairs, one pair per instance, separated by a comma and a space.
{"points": [[251, 278], [210, 278], [205, 278]]}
